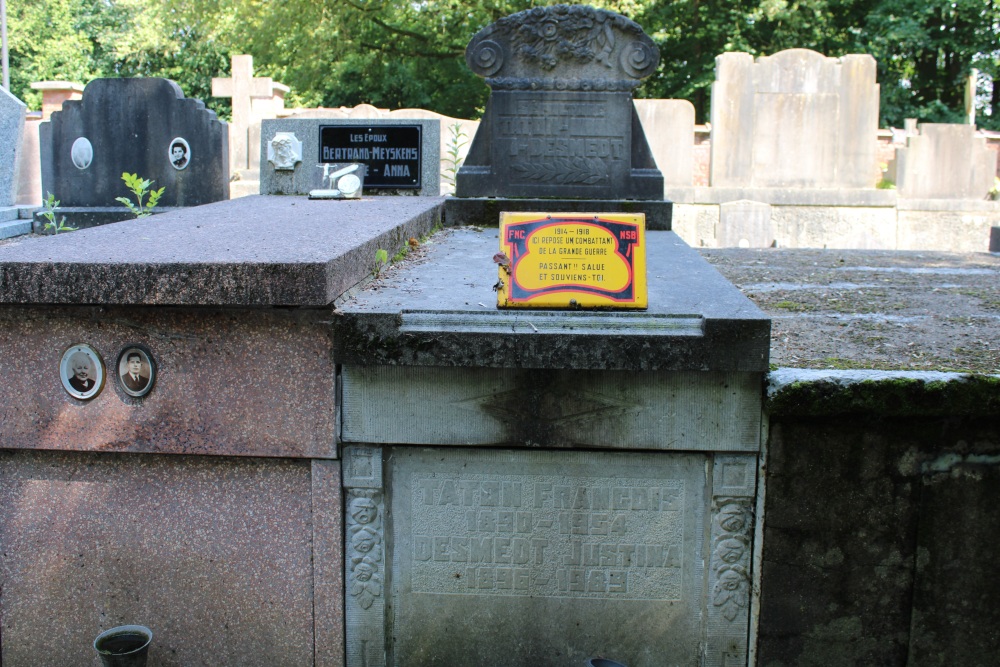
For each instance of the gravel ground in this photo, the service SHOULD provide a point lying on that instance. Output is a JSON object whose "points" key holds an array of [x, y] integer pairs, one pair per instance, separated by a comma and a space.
{"points": [[889, 310]]}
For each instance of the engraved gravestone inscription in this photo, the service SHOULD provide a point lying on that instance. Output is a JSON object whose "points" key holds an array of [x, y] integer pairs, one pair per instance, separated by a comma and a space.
{"points": [[560, 120], [401, 155], [567, 555]]}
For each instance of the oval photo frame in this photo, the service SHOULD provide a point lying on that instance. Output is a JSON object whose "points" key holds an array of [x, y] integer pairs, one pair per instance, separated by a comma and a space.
{"points": [[179, 153], [81, 153], [136, 371], [82, 371]]}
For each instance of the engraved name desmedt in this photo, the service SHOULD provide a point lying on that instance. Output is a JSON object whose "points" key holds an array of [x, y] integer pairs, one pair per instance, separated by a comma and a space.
{"points": [[512, 534], [560, 128]]}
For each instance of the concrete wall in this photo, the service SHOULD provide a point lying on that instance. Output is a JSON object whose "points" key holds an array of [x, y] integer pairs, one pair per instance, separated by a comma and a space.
{"points": [[879, 524], [705, 218]]}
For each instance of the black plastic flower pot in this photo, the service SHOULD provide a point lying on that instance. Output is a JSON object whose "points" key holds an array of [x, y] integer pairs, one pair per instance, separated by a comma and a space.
{"points": [[124, 646]]}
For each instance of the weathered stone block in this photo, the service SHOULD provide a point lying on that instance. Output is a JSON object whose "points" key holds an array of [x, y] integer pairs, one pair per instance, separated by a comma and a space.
{"points": [[12, 112], [834, 227], [745, 224], [794, 120], [569, 556], [448, 406], [945, 161], [669, 128], [952, 231]]}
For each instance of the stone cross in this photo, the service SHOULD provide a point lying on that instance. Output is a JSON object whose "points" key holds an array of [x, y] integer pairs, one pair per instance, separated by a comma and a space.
{"points": [[245, 90]]}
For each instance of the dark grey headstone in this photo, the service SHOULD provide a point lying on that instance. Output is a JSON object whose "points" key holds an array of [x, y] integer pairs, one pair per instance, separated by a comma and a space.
{"points": [[560, 121], [131, 125]]}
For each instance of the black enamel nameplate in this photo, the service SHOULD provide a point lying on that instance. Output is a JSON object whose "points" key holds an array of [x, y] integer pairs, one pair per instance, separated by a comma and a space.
{"points": [[391, 153]]}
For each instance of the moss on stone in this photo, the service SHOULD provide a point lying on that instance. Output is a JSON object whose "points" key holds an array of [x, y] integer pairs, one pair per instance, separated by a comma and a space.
{"points": [[971, 395]]}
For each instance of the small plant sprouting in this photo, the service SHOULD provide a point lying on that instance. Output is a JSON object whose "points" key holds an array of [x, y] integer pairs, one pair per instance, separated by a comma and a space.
{"points": [[884, 182], [49, 213], [381, 259], [453, 153], [140, 187]]}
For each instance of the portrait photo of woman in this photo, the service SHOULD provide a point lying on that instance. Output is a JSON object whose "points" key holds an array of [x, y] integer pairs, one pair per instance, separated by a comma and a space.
{"points": [[81, 370]]}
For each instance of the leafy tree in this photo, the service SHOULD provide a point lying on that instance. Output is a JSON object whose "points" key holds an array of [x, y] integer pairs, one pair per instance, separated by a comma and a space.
{"points": [[925, 50], [411, 54], [79, 40]]}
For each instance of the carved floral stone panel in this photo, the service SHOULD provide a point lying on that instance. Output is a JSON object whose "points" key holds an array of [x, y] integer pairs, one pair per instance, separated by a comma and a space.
{"points": [[560, 121]]}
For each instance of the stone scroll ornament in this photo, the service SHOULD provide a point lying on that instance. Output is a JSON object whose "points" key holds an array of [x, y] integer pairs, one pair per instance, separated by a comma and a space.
{"points": [[560, 121], [563, 47]]}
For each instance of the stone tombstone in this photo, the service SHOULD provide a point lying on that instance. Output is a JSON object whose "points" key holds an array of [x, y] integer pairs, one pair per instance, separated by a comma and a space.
{"points": [[12, 112], [606, 552], [402, 155], [144, 126], [560, 122], [944, 161], [525, 488], [669, 127], [796, 119]]}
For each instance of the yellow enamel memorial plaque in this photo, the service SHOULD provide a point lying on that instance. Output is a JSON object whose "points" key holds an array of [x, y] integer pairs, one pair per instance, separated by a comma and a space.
{"points": [[572, 260]]}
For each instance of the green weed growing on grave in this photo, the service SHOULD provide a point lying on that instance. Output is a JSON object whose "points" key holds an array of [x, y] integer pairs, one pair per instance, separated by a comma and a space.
{"points": [[381, 259], [994, 194], [49, 207], [453, 158], [140, 187], [885, 183]]}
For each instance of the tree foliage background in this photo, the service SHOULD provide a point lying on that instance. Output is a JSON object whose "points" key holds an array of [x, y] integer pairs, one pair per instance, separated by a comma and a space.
{"points": [[411, 54]]}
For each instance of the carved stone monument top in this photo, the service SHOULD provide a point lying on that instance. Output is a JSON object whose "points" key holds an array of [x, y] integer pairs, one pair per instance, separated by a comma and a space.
{"points": [[563, 47], [560, 123]]}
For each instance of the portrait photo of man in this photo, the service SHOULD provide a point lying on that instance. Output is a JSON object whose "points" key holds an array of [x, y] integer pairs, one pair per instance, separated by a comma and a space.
{"points": [[82, 371], [135, 370], [134, 379]]}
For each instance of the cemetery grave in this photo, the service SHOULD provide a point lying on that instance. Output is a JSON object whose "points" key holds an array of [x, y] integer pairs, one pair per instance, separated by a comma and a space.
{"points": [[278, 430]]}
